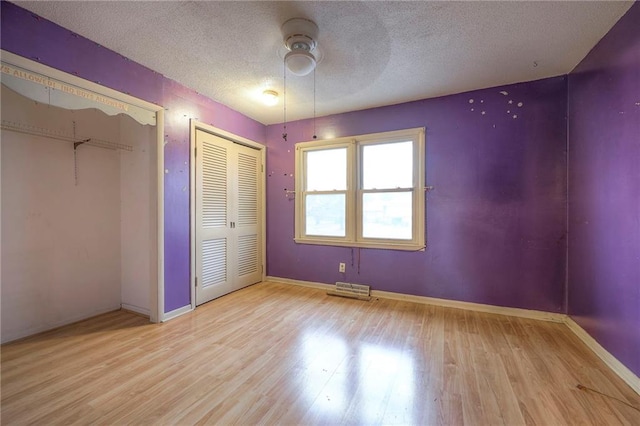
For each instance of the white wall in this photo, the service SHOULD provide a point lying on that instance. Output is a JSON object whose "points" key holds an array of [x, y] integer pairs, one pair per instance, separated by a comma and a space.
{"points": [[138, 202], [72, 251]]}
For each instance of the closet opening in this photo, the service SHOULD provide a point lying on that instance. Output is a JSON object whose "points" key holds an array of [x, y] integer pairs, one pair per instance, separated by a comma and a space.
{"points": [[81, 195]]}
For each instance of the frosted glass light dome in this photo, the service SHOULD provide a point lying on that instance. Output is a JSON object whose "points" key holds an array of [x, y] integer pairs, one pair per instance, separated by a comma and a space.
{"points": [[300, 62]]}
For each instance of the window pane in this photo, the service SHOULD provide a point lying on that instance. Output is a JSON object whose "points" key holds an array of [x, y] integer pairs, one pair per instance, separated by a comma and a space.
{"points": [[386, 166], [387, 215], [326, 170], [325, 215]]}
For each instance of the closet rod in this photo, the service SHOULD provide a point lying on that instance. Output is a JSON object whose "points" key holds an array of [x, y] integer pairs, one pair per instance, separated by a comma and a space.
{"points": [[39, 131]]}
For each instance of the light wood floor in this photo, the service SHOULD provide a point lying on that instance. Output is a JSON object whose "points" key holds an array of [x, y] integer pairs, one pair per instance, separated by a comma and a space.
{"points": [[280, 354]]}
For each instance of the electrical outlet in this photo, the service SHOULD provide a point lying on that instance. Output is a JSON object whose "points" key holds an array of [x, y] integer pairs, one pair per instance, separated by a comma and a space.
{"points": [[341, 267]]}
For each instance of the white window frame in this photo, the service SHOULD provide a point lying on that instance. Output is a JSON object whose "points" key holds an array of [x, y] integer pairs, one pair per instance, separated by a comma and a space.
{"points": [[353, 231]]}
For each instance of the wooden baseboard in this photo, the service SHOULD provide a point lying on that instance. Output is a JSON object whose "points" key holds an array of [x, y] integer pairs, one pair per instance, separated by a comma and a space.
{"points": [[176, 313], [135, 310], [300, 283], [469, 306], [612, 362]]}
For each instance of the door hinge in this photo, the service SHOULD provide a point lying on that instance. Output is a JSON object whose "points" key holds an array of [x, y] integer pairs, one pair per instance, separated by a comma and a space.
{"points": [[195, 152], [262, 167], [196, 281]]}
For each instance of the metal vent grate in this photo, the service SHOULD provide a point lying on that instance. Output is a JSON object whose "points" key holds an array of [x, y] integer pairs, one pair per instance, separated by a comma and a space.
{"points": [[356, 291]]}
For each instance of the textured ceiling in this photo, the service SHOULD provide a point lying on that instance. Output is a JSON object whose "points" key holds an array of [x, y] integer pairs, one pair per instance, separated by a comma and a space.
{"points": [[373, 53]]}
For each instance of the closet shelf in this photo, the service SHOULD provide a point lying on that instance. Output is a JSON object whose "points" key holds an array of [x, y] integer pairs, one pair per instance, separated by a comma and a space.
{"points": [[53, 134]]}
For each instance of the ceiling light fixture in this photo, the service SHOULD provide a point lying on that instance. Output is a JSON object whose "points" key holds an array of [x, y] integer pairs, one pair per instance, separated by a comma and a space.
{"points": [[270, 97], [299, 35]]}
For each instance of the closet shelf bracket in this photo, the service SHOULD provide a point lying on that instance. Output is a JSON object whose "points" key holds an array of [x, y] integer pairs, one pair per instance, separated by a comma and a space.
{"points": [[77, 144]]}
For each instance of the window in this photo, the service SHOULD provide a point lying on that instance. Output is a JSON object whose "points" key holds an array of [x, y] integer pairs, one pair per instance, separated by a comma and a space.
{"points": [[363, 191]]}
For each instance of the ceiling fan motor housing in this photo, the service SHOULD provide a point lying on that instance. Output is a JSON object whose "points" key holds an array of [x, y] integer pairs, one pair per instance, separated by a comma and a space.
{"points": [[300, 33]]}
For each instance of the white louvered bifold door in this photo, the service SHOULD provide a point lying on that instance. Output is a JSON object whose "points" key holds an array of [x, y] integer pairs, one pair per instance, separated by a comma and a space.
{"points": [[247, 217], [228, 212]]}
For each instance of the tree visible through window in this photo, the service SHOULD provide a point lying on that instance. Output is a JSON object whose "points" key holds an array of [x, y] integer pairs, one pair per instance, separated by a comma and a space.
{"points": [[364, 191]]}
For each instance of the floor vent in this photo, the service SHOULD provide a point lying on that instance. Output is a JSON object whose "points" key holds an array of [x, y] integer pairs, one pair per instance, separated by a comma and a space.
{"points": [[354, 291]]}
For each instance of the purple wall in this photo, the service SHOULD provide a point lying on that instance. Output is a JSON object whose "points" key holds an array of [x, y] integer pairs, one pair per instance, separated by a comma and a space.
{"points": [[32, 37], [496, 221], [604, 191]]}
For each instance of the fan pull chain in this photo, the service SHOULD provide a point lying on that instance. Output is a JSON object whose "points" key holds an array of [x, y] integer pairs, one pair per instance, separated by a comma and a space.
{"points": [[284, 101], [314, 103]]}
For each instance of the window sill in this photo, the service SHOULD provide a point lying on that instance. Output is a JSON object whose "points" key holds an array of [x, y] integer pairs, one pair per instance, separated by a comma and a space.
{"points": [[354, 244]]}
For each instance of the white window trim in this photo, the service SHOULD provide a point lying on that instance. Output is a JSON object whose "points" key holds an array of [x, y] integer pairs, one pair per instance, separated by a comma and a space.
{"points": [[354, 193]]}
